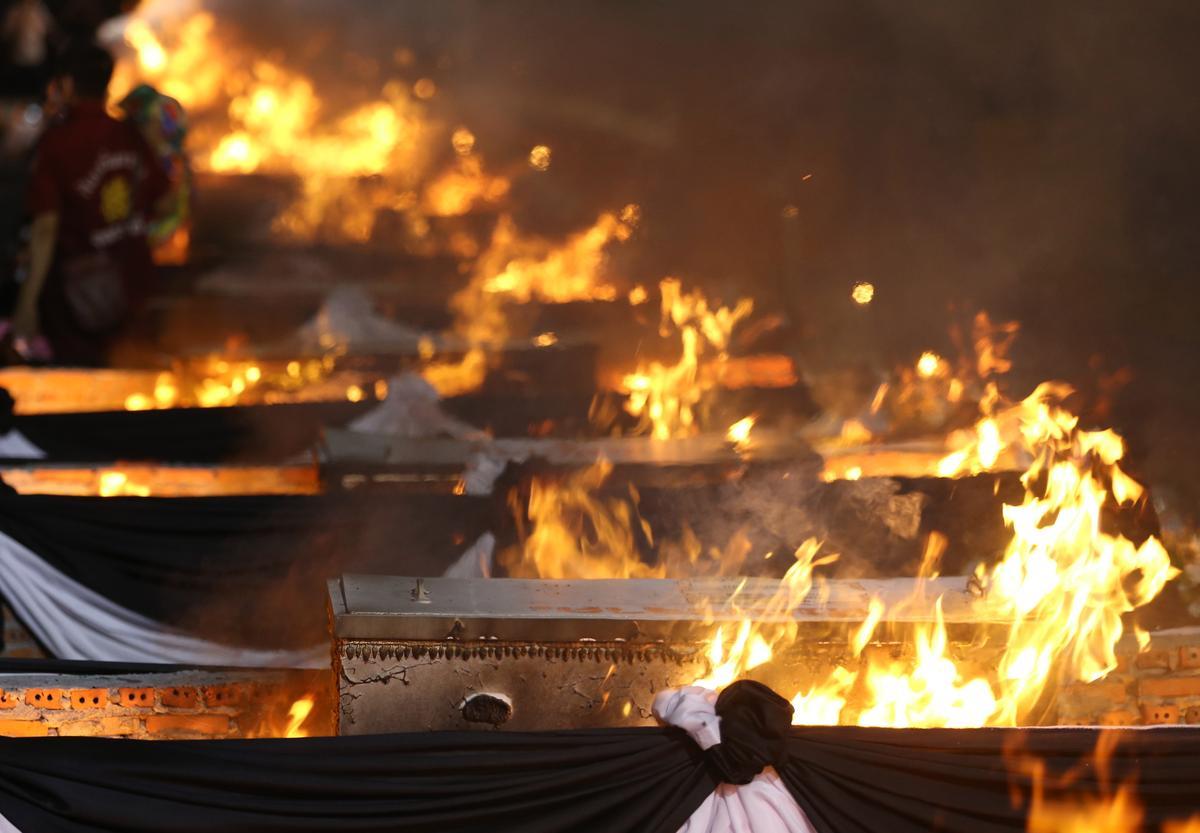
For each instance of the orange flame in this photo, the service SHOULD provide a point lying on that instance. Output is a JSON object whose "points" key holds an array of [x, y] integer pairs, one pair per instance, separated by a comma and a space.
{"points": [[256, 114], [297, 715], [1108, 811], [519, 268], [575, 533], [1063, 584], [664, 397]]}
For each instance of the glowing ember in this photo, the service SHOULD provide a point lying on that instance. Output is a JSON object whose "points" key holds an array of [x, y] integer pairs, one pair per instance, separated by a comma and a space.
{"points": [[539, 158], [929, 365], [222, 383], [463, 141], [116, 483], [425, 89], [739, 432], [163, 481], [863, 293]]}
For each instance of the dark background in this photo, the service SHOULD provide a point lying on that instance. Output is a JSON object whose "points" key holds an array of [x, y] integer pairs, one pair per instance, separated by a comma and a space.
{"points": [[1038, 160]]}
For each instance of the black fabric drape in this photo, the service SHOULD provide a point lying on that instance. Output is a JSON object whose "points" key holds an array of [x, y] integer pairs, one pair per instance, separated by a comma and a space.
{"points": [[847, 780], [252, 433], [249, 568], [643, 780], [265, 433], [856, 780]]}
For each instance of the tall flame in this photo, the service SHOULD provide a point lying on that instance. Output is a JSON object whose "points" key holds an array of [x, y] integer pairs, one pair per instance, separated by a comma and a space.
{"points": [[665, 397], [1061, 588], [1063, 584], [576, 533], [251, 113]]}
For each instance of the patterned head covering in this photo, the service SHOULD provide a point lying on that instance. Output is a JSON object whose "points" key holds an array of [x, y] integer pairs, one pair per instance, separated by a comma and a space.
{"points": [[163, 122]]}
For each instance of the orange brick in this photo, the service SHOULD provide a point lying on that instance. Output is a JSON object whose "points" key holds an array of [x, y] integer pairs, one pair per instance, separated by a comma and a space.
{"points": [[135, 697], [1154, 659], [1114, 692], [1192, 715], [89, 698], [223, 695], [114, 726], [44, 698], [183, 697], [1189, 656], [1119, 717], [80, 729], [1158, 715], [8, 700], [1170, 687], [23, 728], [187, 724]]}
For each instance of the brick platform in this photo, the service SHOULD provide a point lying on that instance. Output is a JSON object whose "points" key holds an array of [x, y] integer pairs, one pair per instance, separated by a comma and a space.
{"points": [[1158, 686], [180, 704]]}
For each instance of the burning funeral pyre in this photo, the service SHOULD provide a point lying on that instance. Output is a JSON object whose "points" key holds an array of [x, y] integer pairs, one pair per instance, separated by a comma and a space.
{"points": [[538, 484]]}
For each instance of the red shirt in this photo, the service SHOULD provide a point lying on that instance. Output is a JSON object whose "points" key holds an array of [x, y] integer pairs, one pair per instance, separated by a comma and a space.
{"points": [[102, 180]]}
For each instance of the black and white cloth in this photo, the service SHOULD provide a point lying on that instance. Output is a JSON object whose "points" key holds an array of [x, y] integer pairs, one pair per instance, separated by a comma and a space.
{"points": [[225, 581], [763, 805], [648, 780]]}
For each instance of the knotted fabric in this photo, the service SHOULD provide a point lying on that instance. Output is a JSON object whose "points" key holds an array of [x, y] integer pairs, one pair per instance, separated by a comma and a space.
{"points": [[764, 804], [754, 732]]}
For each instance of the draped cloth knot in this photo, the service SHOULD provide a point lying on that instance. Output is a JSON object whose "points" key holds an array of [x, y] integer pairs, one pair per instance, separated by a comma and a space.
{"points": [[755, 722], [743, 733]]}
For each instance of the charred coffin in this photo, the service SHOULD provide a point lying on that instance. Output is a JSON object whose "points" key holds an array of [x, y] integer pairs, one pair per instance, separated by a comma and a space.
{"points": [[417, 654]]}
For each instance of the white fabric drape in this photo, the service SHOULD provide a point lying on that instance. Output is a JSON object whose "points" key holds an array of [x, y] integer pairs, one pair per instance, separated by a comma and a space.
{"points": [[412, 409], [75, 622], [16, 446], [476, 561], [762, 806]]}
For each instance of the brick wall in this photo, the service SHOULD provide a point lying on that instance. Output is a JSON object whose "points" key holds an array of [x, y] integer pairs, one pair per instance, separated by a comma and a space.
{"points": [[1160, 685], [182, 704]]}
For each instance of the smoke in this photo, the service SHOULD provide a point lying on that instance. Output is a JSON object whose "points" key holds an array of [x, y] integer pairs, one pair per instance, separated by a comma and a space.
{"points": [[1037, 161]]}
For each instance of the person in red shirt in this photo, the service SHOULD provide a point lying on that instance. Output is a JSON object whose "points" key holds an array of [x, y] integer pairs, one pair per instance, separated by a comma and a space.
{"points": [[93, 188]]}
